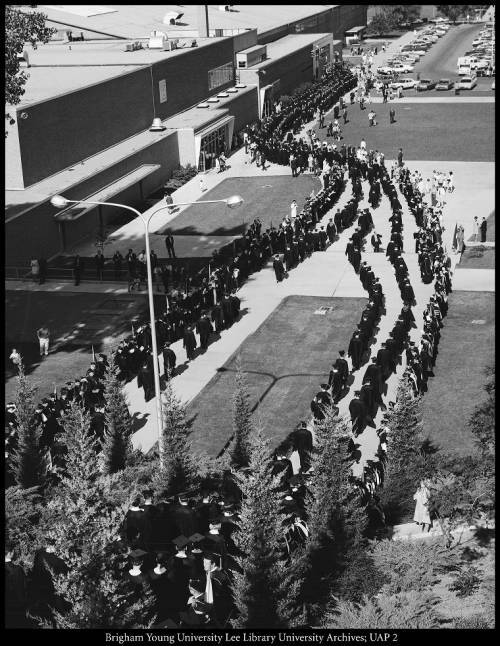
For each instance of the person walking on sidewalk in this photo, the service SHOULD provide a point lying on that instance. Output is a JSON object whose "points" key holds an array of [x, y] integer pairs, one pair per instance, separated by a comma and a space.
{"points": [[392, 115], [371, 118], [483, 227], [77, 269], [99, 264], [475, 228], [400, 158], [43, 335], [169, 244]]}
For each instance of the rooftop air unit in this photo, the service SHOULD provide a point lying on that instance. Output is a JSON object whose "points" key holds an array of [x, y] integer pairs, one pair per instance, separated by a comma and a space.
{"points": [[157, 40]]}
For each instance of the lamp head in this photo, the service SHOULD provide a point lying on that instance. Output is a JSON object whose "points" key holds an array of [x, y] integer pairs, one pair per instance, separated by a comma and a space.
{"points": [[234, 201], [59, 201]]}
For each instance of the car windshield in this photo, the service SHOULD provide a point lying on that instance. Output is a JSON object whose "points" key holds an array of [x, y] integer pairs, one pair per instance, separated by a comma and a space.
{"points": [[444, 81]]}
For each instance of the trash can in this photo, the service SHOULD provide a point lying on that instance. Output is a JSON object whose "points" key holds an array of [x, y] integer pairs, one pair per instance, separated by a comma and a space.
{"points": [[457, 91]]}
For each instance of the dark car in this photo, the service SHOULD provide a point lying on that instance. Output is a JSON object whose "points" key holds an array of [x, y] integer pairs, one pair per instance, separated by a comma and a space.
{"points": [[425, 84]]}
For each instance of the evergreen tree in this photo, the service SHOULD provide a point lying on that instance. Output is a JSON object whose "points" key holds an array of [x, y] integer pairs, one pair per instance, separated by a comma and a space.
{"points": [[242, 423], [264, 590], [404, 610], [85, 522], [335, 515], [28, 462], [23, 508], [407, 461], [179, 470], [117, 446], [20, 28]]}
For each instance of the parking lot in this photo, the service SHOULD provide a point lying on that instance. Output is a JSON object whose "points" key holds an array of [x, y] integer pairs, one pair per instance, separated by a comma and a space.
{"points": [[440, 62]]}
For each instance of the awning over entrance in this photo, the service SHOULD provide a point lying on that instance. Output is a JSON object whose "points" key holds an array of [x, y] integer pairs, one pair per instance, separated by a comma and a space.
{"points": [[75, 211]]}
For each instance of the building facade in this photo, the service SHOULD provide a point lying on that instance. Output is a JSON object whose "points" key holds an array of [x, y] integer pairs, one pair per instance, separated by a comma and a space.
{"points": [[91, 139]]}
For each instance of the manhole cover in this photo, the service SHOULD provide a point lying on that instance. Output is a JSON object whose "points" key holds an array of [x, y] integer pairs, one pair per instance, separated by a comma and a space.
{"points": [[478, 322], [321, 311]]}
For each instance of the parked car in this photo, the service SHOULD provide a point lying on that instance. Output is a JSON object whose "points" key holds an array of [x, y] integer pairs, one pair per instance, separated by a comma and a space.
{"points": [[404, 84], [385, 70], [466, 83], [419, 51], [425, 84], [402, 68], [444, 84]]}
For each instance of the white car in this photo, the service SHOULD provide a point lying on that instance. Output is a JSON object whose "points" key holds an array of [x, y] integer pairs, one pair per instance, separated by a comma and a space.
{"points": [[404, 84], [466, 83], [403, 67], [384, 69]]}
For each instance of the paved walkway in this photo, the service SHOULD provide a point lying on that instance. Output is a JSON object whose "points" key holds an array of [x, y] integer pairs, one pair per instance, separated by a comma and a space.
{"points": [[474, 280], [437, 99]]}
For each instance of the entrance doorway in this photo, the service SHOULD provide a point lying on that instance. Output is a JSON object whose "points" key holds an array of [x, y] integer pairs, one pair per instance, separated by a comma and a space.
{"points": [[212, 145]]}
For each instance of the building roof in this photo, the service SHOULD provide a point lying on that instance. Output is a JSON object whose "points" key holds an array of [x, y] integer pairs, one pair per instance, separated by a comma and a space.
{"points": [[56, 69], [135, 21], [198, 118], [47, 82]]}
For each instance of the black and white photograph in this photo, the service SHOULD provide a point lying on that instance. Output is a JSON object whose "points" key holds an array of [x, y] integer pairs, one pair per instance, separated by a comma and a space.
{"points": [[249, 322]]}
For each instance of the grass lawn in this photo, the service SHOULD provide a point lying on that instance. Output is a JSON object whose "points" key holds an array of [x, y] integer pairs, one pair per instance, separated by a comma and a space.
{"points": [[425, 131], [285, 361], [465, 349], [478, 258], [267, 198], [75, 321]]}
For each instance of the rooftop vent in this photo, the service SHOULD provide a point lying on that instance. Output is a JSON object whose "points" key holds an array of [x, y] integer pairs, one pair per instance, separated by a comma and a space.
{"points": [[172, 17], [133, 47]]}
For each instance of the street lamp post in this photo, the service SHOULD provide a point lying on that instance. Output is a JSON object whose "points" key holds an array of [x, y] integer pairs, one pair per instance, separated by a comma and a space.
{"points": [[231, 202]]}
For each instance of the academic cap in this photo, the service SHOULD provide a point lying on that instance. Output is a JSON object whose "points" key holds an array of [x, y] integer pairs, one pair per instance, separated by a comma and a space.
{"points": [[180, 542], [137, 555]]}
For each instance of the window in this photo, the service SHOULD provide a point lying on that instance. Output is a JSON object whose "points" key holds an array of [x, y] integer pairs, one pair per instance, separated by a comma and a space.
{"points": [[162, 86], [220, 75]]}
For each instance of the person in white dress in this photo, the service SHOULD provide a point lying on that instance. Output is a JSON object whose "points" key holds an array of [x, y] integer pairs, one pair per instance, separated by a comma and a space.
{"points": [[293, 209], [421, 515], [450, 182]]}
